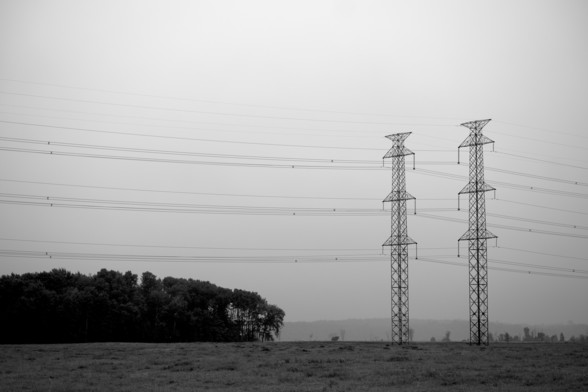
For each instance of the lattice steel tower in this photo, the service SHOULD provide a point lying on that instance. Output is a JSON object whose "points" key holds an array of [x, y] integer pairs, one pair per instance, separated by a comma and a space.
{"points": [[477, 235], [399, 240]]}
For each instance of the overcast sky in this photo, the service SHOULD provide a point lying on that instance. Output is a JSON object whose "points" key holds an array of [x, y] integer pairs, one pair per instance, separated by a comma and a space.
{"points": [[241, 142]]}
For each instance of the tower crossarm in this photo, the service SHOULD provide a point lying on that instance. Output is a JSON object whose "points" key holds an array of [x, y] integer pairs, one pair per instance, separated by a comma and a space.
{"points": [[475, 138]]}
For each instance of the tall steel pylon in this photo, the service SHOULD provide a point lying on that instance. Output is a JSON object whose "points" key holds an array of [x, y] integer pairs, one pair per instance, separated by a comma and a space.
{"points": [[477, 234], [399, 240]]}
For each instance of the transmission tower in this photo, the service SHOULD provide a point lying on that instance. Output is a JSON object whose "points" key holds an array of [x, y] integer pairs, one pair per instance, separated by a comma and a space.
{"points": [[477, 235], [399, 240]]}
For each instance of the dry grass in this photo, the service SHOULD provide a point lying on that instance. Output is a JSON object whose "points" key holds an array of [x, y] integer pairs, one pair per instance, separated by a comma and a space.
{"points": [[304, 366]]}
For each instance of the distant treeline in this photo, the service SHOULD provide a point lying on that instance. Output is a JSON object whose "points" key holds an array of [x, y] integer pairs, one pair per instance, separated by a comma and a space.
{"points": [[60, 306]]}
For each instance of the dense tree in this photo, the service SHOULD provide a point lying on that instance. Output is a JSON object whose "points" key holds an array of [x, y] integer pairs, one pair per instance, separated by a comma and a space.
{"points": [[541, 336], [553, 338], [59, 306]]}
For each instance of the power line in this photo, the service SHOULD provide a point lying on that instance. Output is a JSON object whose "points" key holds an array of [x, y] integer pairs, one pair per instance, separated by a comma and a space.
{"points": [[186, 138], [544, 253], [528, 175], [375, 114], [209, 112], [102, 244], [528, 265], [204, 162], [550, 142], [179, 153], [143, 206], [521, 219], [209, 155], [541, 222], [183, 161], [375, 251], [536, 266], [507, 227], [518, 156], [263, 196], [177, 120], [339, 133], [186, 192], [243, 259], [131, 205], [540, 206], [7, 253], [246, 157], [526, 272], [506, 184], [134, 205], [223, 102], [542, 129], [226, 210], [182, 258], [539, 177]]}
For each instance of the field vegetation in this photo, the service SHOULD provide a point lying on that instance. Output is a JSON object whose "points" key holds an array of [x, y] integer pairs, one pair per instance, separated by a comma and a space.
{"points": [[294, 366]]}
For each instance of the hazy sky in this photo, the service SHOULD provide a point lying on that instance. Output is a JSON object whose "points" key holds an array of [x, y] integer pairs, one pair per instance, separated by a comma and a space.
{"points": [[224, 140]]}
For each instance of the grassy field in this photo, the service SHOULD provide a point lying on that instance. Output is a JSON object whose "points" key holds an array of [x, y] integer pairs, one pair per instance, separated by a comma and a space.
{"points": [[303, 366]]}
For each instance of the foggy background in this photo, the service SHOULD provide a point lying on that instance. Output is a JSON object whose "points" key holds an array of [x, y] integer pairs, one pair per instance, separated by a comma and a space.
{"points": [[241, 142]]}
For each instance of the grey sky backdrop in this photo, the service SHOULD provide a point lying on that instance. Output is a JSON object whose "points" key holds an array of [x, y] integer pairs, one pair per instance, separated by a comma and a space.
{"points": [[224, 140]]}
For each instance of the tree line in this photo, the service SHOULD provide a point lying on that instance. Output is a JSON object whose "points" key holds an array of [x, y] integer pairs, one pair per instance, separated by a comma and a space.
{"points": [[60, 306], [531, 336]]}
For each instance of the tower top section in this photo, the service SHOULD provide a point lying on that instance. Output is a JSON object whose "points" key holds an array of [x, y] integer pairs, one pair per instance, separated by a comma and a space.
{"points": [[476, 125], [475, 138], [398, 137], [398, 149]]}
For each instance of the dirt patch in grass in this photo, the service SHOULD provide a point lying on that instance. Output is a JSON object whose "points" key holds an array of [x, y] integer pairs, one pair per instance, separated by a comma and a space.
{"points": [[303, 366]]}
